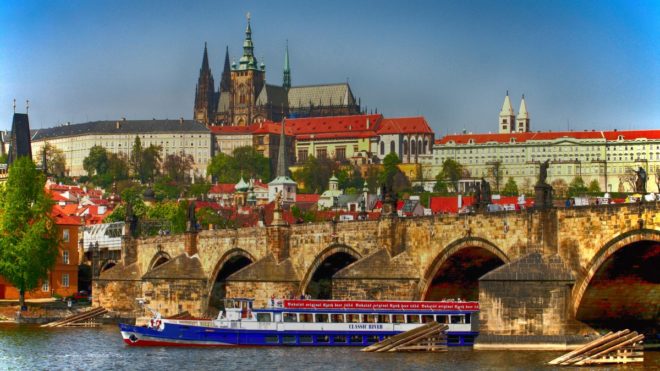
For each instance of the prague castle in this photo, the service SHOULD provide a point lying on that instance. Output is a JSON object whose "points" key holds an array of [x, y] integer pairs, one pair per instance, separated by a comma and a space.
{"points": [[244, 97]]}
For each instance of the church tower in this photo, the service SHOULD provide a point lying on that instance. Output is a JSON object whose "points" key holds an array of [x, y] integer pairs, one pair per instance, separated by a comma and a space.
{"points": [[286, 81], [507, 116], [223, 114], [247, 80], [522, 121], [205, 93]]}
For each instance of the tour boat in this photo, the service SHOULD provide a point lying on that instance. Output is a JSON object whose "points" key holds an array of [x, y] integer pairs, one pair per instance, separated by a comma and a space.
{"points": [[307, 323]]}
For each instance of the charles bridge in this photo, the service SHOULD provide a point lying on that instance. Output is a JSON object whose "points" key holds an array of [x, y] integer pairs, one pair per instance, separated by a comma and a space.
{"points": [[538, 274]]}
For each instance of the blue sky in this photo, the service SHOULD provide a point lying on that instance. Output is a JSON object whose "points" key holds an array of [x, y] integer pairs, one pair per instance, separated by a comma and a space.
{"points": [[580, 64]]}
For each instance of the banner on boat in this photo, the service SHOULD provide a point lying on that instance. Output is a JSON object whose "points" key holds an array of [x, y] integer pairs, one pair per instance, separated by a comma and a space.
{"points": [[383, 305]]}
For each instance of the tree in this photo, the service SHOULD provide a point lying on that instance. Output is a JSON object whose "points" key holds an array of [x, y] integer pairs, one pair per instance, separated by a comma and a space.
{"points": [[151, 160], [245, 162], [199, 189], [3, 158], [96, 163], [28, 237], [510, 188], [559, 187], [577, 187], [594, 187], [390, 169], [373, 174], [177, 168], [135, 161], [315, 174], [55, 160], [448, 177], [495, 174], [349, 177]]}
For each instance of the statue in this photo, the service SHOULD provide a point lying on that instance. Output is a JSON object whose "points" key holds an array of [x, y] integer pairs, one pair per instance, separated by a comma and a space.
{"points": [[192, 219], [477, 196], [640, 182], [543, 171], [278, 200], [130, 220], [485, 192]]}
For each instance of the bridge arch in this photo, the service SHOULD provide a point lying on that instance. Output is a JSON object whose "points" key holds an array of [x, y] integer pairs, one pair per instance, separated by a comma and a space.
{"points": [[337, 257], [627, 260], [229, 263], [107, 264], [160, 258], [485, 254]]}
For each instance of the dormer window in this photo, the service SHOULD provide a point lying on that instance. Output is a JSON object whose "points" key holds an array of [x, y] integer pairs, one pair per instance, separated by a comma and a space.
{"points": [[512, 140], [620, 137], [471, 141]]}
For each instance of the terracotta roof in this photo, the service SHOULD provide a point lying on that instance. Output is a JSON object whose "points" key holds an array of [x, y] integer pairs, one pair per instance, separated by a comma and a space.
{"points": [[61, 218], [307, 197], [549, 135], [333, 124], [404, 125], [222, 188], [267, 127]]}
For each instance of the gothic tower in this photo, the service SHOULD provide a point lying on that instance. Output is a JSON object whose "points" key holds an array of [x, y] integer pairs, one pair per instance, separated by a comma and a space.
{"points": [[507, 116], [522, 121], [205, 93], [286, 81], [247, 80], [223, 114]]}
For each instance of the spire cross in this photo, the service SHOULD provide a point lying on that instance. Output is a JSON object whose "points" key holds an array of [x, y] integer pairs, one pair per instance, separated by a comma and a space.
{"points": [[27, 106], [14, 105], [248, 16]]}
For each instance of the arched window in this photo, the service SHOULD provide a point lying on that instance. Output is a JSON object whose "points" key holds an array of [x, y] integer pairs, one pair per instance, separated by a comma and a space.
{"points": [[413, 147], [392, 147], [382, 148], [419, 147], [405, 147], [426, 144]]}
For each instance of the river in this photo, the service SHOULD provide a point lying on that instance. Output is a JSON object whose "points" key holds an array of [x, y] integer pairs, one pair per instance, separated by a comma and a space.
{"points": [[29, 347]]}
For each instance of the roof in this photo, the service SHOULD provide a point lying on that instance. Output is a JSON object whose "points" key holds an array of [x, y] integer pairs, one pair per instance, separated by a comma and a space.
{"points": [[20, 137], [274, 95], [61, 218], [531, 267], [307, 197], [223, 188], [550, 136], [122, 127], [324, 95], [404, 125], [267, 127]]}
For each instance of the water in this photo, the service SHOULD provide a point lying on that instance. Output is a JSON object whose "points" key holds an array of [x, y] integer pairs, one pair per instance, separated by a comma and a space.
{"points": [[28, 347]]}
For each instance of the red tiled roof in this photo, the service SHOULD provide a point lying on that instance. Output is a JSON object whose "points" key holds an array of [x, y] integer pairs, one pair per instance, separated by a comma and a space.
{"points": [[333, 124], [404, 125], [307, 197], [549, 135], [61, 218], [222, 188], [229, 130], [267, 127]]}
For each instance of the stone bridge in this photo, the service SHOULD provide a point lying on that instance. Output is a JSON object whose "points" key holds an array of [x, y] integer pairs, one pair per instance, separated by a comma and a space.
{"points": [[535, 272]]}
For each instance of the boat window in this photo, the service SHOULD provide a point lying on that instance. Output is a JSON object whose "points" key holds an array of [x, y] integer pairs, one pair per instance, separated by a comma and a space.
{"points": [[321, 317], [398, 318], [264, 317], [288, 339], [383, 318], [306, 339], [322, 338], [337, 318], [370, 318], [306, 317], [272, 339], [453, 340], [290, 317], [413, 318], [372, 339], [340, 339], [457, 319], [356, 339], [353, 318], [441, 318], [426, 318], [467, 317]]}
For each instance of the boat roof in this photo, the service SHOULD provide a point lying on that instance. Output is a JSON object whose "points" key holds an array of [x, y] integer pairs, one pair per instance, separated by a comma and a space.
{"points": [[374, 306]]}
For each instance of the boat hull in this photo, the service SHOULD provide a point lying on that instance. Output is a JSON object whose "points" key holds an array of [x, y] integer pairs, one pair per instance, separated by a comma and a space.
{"points": [[172, 334]]}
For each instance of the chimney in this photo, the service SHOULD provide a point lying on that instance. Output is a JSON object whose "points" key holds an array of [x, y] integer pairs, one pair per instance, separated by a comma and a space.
{"points": [[118, 125], [181, 120], [368, 123]]}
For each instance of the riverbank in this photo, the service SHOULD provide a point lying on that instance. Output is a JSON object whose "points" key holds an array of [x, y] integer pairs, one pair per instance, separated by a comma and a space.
{"points": [[41, 311]]}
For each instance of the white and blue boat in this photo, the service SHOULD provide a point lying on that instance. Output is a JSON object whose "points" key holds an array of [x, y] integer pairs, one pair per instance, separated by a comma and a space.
{"points": [[308, 323]]}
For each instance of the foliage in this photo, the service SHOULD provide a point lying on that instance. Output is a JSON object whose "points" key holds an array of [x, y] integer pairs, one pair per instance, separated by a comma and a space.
{"points": [[594, 187], [135, 161], [167, 189], [3, 158], [349, 177], [390, 169], [495, 174], [28, 236], [510, 188], [559, 187], [177, 168], [207, 216], [132, 194], [373, 174], [104, 167], [577, 187], [199, 189], [305, 216], [245, 162], [96, 163], [315, 174], [55, 160], [448, 177], [172, 211], [151, 160]]}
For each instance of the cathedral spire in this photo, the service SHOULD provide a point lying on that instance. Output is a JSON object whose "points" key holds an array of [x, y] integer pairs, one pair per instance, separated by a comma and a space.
{"points": [[286, 83], [205, 60], [248, 61], [281, 155], [225, 81], [204, 109]]}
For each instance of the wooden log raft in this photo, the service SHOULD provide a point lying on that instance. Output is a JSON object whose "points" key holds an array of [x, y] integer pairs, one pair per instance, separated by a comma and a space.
{"points": [[620, 347], [78, 318], [428, 337]]}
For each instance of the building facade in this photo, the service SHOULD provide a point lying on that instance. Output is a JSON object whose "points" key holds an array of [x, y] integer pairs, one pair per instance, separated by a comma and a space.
{"points": [[608, 157], [174, 136], [244, 97]]}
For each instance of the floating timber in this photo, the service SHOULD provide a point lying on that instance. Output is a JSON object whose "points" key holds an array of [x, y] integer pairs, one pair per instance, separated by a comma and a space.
{"points": [[430, 337], [619, 347], [84, 319]]}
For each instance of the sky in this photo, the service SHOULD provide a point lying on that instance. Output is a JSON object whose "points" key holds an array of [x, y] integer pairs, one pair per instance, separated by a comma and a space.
{"points": [[582, 65]]}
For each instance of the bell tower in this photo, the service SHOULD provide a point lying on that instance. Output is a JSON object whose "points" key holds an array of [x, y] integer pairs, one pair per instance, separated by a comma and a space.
{"points": [[522, 121], [204, 111], [507, 116]]}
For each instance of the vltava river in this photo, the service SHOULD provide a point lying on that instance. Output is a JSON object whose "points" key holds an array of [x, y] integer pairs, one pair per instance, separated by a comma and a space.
{"points": [[28, 347]]}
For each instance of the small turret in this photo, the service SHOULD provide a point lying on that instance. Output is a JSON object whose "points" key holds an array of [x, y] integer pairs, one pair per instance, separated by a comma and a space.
{"points": [[507, 116], [522, 121]]}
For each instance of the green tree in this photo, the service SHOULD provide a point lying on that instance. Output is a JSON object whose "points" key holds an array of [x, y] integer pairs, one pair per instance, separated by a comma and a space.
{"points": [[315, 174], [55, 160], [373, 174], [199, 189], [96, 163], [177, 167], [221, 168], [167, 189], [3, 158], [510, 188], [390, 169], [594, 187], [172, 211], [135, 161], [495, 174], [151, 160], [577, 187], [245, 162], [28, 237], [448, 177]]}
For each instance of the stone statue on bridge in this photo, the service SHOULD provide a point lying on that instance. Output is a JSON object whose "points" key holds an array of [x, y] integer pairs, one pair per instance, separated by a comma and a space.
{"points": [[486, 197], [640, 182], [191, 224], [543, 171], [543, 190], [130, 220]]}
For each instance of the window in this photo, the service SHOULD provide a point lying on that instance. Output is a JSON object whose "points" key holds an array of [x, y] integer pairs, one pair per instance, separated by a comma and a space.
{"points": [[341, 153], [356, 339], [372, 339], [398, 318], [322, 339], [382, 148], [340, 339], [264, 317], [426, 318], [272, 339], [306, 317], [353, 318], [290, 317], [45, 287], [442, 318], [337, 318], [65, 256], [288, 339], [306, 339], [65, 280], [65, 235], [321, 153], [321, 317]]}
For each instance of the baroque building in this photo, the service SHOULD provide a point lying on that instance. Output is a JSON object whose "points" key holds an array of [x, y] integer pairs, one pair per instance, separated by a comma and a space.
{"points": [[244, 97]]}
